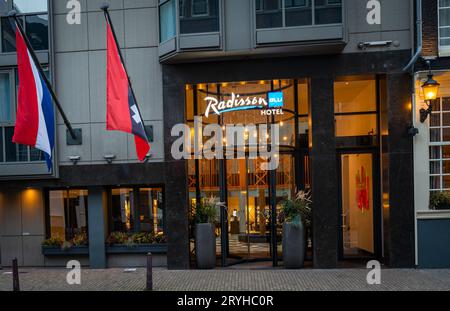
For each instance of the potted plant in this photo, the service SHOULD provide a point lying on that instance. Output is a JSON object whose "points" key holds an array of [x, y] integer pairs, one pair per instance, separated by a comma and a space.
{"points": [[205, 238], [296, 216], [440, 200]]}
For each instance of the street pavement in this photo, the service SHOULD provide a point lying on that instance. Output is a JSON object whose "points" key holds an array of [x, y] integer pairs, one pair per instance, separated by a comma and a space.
{"points": [[229, 280]]}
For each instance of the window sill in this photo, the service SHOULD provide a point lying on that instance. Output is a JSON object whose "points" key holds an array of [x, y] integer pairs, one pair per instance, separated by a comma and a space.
{"points": [[433, 214], [58, 251], [137, 249]]}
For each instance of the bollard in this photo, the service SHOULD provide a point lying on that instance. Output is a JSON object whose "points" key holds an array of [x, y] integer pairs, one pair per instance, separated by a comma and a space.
{"points": [[15, 268], [149, 272]]}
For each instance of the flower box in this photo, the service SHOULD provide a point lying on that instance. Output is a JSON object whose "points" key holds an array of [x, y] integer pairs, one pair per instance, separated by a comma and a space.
{"points": [[58, 251], [137, 249]]}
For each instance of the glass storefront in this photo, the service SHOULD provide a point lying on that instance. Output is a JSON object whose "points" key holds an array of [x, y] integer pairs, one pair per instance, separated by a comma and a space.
{"points": [[251, 193]]}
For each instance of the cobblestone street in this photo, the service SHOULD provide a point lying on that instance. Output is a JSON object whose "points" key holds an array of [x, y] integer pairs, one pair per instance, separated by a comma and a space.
{"points": [[229, 279]]}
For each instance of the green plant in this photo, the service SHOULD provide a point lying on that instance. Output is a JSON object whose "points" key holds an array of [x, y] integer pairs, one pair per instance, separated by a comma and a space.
{"points": [[297, 209], [117, 238], [206, 210], [122, 238], [80, 239], [440, 200], [53, 241]]}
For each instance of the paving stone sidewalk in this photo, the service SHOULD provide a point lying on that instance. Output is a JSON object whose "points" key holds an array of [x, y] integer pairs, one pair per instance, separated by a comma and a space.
{"points": [[229, 280]]}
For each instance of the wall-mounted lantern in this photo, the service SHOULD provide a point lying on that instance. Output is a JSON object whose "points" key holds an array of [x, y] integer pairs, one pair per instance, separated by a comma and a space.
{"points": [[430, 90]]}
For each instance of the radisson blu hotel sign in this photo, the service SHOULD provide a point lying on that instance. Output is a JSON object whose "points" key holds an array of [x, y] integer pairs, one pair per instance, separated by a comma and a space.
{"points": [[271, 104]]}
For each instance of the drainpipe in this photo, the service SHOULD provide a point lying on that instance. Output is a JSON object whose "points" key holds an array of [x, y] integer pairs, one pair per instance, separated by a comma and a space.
{"points": [[419, 36]]}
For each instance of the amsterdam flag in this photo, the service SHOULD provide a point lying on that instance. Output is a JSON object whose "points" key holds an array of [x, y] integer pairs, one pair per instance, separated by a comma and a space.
{"points": [[122, 111], [35, 116]]}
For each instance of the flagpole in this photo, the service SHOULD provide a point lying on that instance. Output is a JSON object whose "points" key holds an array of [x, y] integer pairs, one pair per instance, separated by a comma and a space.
{"points": [[105, 8], [13, 14]]}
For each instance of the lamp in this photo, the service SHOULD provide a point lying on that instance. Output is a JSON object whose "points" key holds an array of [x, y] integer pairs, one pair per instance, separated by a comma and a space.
{"points": [[430, 90]]}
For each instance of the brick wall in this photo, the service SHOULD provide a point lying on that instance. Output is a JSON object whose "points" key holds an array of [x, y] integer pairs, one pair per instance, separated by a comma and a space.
{"points": [[430, 28]]}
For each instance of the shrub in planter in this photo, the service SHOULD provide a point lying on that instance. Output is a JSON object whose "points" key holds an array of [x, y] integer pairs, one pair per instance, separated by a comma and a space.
{"points": [[440, 200], [296, 217], [205, 238], [53, 241]]}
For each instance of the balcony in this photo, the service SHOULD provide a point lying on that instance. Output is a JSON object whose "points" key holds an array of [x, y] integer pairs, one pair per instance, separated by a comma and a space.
{"points": [[205, 29]]}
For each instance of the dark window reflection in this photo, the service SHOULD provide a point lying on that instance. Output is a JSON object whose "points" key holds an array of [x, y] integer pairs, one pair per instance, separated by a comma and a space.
{"points": [[36, 28], [10, 148], [298, 12], [268, 14], [198, 16], [37, 31], [328, 12]]}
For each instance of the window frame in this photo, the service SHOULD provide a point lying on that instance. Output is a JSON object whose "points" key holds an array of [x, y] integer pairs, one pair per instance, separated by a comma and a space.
{"points": [[47, 215], [440, 144], [443, 50], [284, 9], [23, 16], [202, 14], [135, 190], [13, 95]]}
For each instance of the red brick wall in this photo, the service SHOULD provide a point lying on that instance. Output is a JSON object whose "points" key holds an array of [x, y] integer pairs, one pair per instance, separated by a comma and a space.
{"points": [[430, 28]]}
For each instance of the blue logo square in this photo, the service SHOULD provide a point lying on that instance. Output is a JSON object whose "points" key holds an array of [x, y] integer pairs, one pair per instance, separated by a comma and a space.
{"points": [[276, 99]]}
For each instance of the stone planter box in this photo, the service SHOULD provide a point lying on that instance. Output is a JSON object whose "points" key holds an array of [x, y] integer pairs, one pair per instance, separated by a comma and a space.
{"points": [[294, 246], [58, 251], [205, 246], [137, 249]]}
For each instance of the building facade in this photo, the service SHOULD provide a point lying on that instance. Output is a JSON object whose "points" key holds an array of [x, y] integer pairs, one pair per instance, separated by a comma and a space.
{"points": [[431, 144], [346, 108]]}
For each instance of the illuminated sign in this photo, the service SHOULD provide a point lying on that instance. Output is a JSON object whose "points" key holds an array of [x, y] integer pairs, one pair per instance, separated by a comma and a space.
{"points": [[270, 105]]}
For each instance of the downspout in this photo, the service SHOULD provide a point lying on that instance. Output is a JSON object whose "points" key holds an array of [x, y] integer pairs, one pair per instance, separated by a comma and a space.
{"points": [[419, 36], [407, 68]]}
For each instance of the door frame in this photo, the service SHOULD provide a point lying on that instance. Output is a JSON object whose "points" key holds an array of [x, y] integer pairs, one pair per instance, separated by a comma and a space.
{"points": [[377, 210]]}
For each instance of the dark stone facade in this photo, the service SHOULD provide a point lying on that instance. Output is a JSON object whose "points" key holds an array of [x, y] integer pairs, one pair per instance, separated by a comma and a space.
{"points": [[321, 70]]}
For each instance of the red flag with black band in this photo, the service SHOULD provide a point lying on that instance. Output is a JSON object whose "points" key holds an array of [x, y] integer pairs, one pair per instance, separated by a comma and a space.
{"points": [[122, 113]]}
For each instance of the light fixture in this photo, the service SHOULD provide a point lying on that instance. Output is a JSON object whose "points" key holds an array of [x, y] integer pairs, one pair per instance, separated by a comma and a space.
{"points": [[75, 159], [430, 90], [109, 158]]}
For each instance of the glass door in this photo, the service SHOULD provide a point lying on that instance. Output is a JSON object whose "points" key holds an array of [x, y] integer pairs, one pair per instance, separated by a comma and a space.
{"points": [[359, 207], [248, 209]]}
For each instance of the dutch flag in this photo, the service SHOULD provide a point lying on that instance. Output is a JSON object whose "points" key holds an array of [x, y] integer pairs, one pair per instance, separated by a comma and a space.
{"points": [[35, 116]]}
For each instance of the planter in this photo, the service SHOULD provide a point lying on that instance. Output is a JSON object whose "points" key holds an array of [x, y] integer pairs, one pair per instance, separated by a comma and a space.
{"points": [[294, 245], [58, 251], [137, 249], [205, 246]]}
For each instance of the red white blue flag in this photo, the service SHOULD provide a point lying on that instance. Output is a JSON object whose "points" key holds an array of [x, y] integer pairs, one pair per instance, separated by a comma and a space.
{"points": [[122, 110], [35, 116]]}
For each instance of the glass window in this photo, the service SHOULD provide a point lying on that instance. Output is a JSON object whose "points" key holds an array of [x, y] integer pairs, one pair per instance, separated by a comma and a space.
{"points": [[137, 210], [6, 106], [298, 12], [37, 31], [8, 35], [151, 210], [122, 210], [27, 6], [355, 108], [198, 16], [440, 145], [444, 23], [167, 22], [269, 14], [200, 7], [328, 12], [68, 214]]}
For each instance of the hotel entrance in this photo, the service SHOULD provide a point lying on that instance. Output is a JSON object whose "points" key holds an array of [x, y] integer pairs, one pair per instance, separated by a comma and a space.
{"points": [[248, 228]]}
